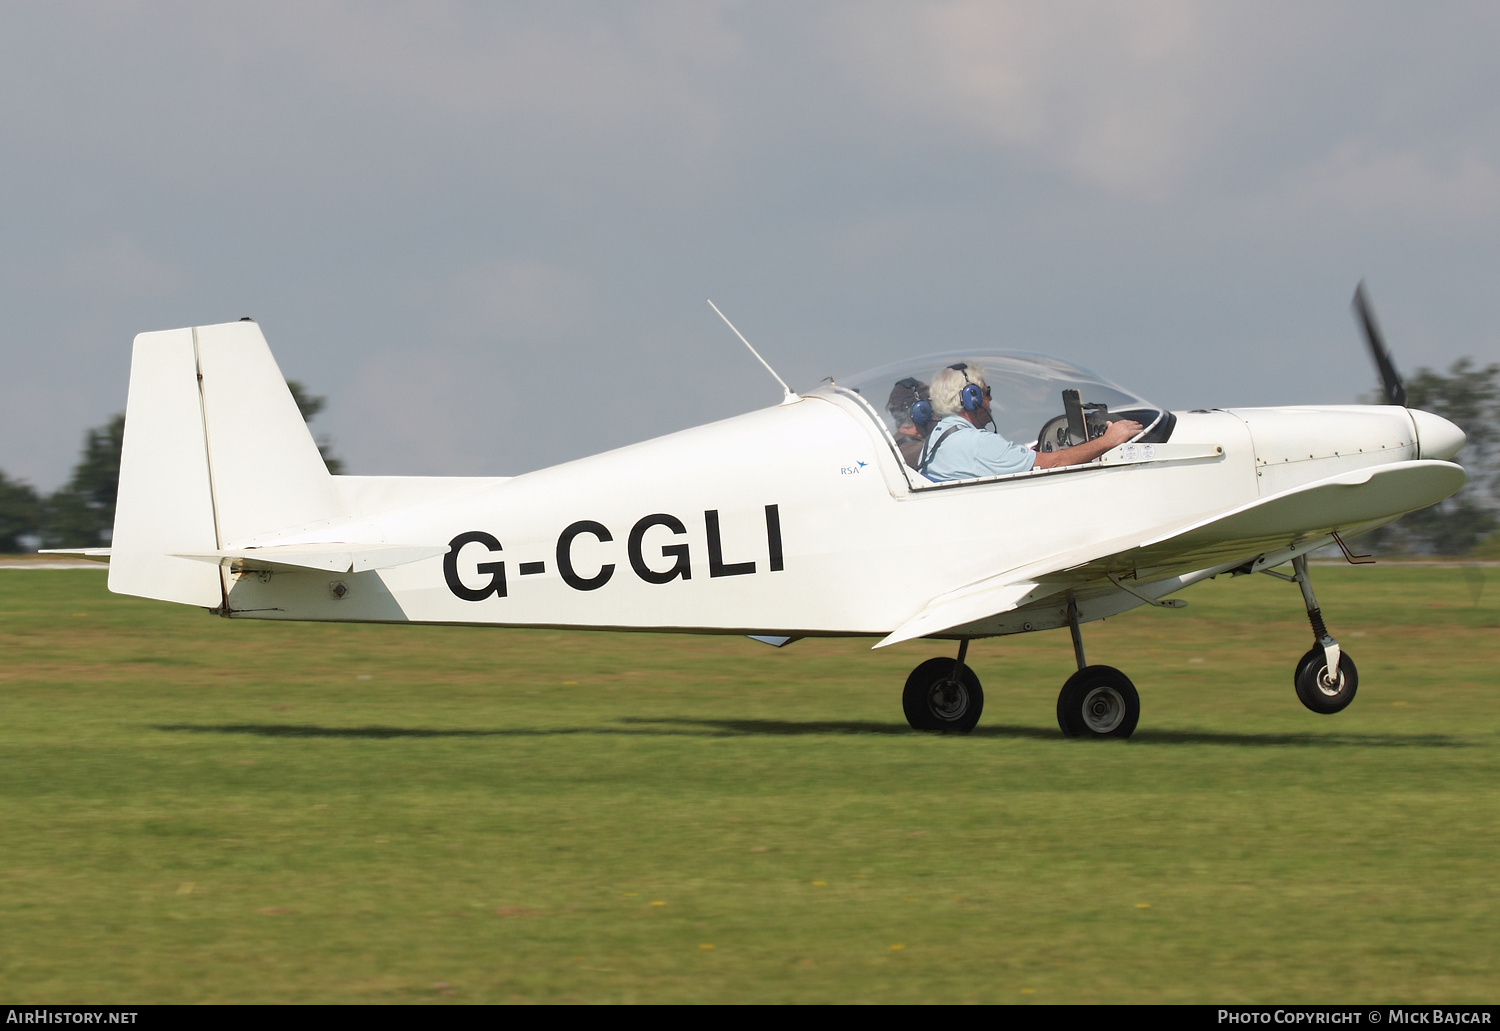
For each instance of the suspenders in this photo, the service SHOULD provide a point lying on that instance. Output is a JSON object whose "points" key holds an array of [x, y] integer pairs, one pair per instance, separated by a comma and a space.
{"points": [[932, 448]]}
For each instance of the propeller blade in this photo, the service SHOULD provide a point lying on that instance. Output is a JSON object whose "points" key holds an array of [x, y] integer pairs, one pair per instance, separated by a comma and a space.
{"points": [[1390, 380]]}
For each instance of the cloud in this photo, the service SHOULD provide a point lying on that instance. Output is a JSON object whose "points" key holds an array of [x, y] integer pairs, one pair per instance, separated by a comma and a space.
{"points": [[119, 268], [1112, 95], [294, 85], [423, 413], [438, 203], [527, 299], [1357, 108], [591, 70], [1399, 187]]}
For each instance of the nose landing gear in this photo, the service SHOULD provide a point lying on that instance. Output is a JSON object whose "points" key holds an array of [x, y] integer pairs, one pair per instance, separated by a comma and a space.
{"points": [[1326, 678]]}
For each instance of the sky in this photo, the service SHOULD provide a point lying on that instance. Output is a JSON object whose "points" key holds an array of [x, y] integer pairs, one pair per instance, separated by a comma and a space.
{"points": [[487, 231]]}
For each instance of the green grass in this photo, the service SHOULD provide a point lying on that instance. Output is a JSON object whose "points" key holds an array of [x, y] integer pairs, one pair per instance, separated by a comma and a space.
{"points": [[194, 809]]}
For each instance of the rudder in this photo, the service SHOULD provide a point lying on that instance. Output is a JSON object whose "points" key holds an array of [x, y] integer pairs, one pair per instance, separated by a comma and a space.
{"points": [[267, 474]]}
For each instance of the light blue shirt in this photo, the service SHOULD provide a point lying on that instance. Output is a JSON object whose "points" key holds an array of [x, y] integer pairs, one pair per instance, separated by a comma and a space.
{"points": [[969, 451]]}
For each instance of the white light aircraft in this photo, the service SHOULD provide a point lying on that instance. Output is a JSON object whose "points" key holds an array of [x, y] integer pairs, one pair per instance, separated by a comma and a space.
{"points": [[798, 520]]}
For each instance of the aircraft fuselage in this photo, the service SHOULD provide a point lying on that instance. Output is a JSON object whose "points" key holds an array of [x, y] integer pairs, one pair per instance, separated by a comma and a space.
{"points": [[794, 520]]}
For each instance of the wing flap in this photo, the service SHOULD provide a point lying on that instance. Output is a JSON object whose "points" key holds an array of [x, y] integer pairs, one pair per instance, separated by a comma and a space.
{"points": [[966, 605]]}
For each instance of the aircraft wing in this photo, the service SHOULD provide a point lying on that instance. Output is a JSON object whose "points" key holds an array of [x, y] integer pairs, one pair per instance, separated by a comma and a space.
{"points": [[971, 602], [1352, 499], [1362, 496]]}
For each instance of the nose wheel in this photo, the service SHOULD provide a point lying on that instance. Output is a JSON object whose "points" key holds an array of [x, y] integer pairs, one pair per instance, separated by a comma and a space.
{"points": [[1321, 692], [1326, 677]]}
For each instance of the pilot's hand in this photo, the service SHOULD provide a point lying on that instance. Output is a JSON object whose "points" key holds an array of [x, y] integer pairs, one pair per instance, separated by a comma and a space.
{"points": [[1119, 431]]}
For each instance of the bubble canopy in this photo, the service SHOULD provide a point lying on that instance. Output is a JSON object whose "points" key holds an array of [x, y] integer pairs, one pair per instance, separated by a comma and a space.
{"points": [[1027, 390]]}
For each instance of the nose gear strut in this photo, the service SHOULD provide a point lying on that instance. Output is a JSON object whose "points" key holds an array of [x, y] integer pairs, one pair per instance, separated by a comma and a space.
{"points": [[1321, 636], [1326, 677]]}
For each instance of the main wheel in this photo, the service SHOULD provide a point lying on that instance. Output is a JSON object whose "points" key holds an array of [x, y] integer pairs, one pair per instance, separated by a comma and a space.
{"points": [[934, 700], [1320, 692], [1098, 702]]}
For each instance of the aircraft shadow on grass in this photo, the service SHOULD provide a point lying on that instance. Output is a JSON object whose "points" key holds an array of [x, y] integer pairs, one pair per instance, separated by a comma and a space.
{"points": [[687, 727]]}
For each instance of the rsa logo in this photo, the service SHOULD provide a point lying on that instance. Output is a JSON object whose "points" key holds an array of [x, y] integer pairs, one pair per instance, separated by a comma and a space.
{"points": [[668, 559]]}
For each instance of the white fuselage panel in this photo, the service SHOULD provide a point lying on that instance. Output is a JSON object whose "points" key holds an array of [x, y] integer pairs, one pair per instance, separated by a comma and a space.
{"points": [[792, 518]]}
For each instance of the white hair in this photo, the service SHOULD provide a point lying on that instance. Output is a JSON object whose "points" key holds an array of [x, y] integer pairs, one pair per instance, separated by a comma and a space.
{"points": [[948, 383]]}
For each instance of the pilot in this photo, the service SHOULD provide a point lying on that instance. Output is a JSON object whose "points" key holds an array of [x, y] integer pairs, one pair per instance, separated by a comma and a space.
{"points": [[959, 447], [911, 409]]}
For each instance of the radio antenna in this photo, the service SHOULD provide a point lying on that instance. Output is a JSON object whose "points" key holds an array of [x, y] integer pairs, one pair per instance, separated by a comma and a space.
{"points": [[791, 395]]}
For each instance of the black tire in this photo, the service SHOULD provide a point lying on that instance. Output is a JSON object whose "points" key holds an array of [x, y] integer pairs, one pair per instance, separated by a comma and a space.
{"points": [[933, 701], [1314, 689], [1314, 654], [1098, 703]]}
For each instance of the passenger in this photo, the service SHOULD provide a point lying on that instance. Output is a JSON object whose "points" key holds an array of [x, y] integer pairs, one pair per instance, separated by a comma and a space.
{"points": [[912, 410], [959, 448]]}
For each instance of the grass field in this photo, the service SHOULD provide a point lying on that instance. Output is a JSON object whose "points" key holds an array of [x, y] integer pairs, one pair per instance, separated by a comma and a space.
{"points": [[194, 809]]}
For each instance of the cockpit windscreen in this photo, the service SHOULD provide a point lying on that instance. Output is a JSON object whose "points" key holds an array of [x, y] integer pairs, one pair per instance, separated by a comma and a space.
{"points": [[1038, 401]]}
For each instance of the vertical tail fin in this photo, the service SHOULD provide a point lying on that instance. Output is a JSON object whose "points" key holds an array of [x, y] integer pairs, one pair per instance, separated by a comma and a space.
{"points": [[216, 455]]}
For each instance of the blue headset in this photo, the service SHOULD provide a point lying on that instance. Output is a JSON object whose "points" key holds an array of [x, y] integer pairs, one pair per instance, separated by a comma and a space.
{"points": [[972, 395], [920, 410]]}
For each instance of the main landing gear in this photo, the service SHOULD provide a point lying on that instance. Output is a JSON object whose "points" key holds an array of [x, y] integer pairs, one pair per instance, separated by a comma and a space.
{"points": [[1319, 689], [943, 695], [1097, 702]]}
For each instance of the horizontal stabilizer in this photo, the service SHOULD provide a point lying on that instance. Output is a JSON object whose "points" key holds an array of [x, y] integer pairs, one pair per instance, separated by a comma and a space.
{"points": [[330, 557]]}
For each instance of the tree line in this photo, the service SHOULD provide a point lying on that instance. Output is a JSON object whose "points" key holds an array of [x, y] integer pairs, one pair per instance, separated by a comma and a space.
{"points": [[81, 513], [1469, 397]]}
